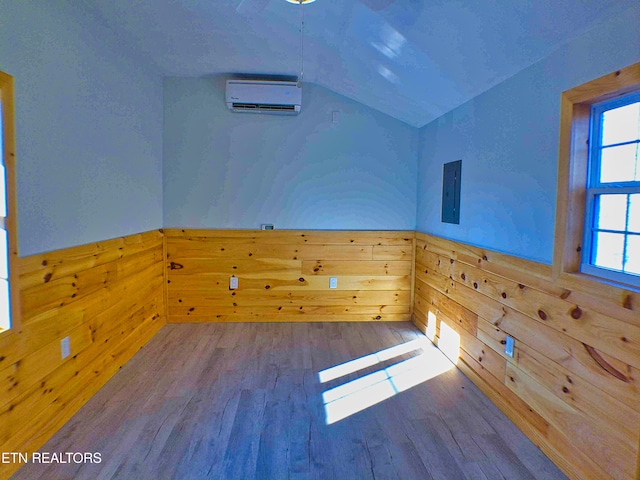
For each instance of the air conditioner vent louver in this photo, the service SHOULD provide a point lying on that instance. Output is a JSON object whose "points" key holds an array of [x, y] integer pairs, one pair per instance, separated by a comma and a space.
{"points": [[254, 107], [262, 96]]}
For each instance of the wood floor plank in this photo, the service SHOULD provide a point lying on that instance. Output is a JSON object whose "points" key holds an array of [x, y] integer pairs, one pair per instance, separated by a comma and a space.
{"points": [[498, 451], [244, 401], [242, 450]]}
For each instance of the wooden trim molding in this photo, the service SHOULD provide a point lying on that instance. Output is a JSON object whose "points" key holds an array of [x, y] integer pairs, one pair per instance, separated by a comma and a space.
{"points": [[572, 179], [9, 155], [573, 159]]}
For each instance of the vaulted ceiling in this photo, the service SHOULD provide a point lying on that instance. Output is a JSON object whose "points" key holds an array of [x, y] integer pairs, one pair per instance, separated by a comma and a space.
{"points": [[411, 59]]}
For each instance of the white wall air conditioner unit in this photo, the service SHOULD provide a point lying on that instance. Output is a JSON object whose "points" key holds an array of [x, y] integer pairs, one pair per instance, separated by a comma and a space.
{"points": [[264, 96]]}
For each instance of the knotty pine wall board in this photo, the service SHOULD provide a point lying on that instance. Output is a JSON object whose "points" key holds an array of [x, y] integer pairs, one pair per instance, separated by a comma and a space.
{"points": [[108, 298], [284, 275], [577, 358]]}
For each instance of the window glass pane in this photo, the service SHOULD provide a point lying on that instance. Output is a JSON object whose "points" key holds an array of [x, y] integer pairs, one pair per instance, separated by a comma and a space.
{"points": [[3, 192], [608, 250], [5, 319], [634, 213], [4, 263], [611, 212], [1, 136], [633, 254], [620, 164], [621, 124]]}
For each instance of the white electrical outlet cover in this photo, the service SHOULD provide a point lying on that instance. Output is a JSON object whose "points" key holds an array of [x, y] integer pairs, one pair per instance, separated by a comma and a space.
{"points": [[333, 282], [65, 347], [233, 283], [509, 345]]}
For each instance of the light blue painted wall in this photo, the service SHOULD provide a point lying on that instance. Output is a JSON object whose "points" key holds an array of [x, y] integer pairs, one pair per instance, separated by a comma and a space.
{"points": [[88, 127], [507, 139], [89, 118], [232, 170]]}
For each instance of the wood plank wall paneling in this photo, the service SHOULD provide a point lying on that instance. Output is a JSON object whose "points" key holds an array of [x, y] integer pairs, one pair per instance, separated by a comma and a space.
{"points": [[574, 383], [284, 275], [108, 298]]}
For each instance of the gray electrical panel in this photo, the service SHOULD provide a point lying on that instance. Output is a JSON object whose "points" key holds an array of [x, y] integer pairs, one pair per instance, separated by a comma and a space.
{"points": [[451, 192]]}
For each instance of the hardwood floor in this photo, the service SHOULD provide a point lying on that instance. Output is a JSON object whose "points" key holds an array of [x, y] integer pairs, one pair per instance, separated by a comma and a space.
{"points": [[243, 401]]}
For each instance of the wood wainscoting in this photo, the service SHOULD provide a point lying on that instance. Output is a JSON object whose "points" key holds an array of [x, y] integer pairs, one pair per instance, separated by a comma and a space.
{"points": [[573, 385], [284, 275], [107, 298]]}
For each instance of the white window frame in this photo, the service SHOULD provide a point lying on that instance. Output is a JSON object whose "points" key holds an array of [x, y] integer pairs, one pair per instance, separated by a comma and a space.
{"points": [[595, 188]]}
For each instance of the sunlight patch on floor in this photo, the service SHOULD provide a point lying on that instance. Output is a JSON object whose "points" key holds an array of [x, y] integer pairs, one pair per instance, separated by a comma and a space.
{"points": [[361, 363], [359, 394]]}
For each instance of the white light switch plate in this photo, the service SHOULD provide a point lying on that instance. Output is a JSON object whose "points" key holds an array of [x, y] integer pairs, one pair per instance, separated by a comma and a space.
{"points": [[509, 345], [65, 347], [333, 282], [233, 283]]}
